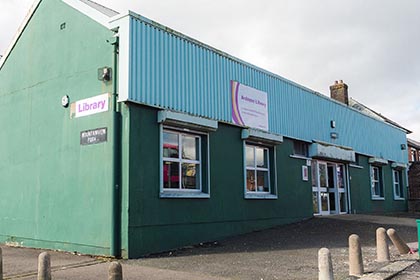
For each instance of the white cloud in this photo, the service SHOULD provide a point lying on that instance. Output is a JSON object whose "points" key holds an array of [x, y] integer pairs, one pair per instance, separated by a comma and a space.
{"points": [[371, 45]]}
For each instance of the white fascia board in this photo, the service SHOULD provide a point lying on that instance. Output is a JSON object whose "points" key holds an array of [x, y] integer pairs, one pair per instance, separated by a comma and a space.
{"points": [[259, 135], [194, 122], [378, 161], [122, 23], [325, 150], [89, 11], [399, 165], [19, 32]]}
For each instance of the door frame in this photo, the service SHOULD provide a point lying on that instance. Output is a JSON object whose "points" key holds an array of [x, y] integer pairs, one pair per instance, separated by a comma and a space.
{"points": [[335, 190]]}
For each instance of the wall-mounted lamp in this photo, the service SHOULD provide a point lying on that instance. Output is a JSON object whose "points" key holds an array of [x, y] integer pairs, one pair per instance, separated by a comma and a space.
{"points": [[403, 147], [334, 135], [65, 100], [332, 124]]}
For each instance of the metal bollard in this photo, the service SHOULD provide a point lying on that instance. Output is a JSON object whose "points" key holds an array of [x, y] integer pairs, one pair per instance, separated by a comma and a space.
{"points": [[44, 266], [325, 265], [355, 256], [115, 271], [1, 264], [398, 242], [382, 250]]}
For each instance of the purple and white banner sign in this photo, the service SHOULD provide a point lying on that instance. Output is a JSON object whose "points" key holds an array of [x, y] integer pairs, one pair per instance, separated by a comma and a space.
{"points": [[249, 106], [92, 105]]}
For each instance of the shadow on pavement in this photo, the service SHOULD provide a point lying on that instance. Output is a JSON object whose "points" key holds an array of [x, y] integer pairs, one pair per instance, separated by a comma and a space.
{"points": [[318, 232]]}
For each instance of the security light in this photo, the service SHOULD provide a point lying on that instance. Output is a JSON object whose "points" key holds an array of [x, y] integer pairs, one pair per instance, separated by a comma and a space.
{"points": [[65, 101], [104, 74]]}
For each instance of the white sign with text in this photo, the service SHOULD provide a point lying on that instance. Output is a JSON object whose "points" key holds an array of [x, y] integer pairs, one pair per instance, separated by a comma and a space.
{"points": [[249, 106], [92, 105]]}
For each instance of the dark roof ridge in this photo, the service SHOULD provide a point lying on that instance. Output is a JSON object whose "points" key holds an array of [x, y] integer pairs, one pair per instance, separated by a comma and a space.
{"points": [[379, 115]]}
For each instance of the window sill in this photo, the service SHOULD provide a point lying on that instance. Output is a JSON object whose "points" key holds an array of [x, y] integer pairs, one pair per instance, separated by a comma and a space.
{"points": [[356, 166], [300, 157], [378, 198], [260, 196], [183, 194], [399, 198]]}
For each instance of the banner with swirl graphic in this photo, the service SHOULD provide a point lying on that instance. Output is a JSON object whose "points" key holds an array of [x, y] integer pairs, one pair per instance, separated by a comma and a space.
{"points": [[249, 106]]}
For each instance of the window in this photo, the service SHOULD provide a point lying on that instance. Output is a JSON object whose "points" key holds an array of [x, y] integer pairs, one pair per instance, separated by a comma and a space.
{"points": [[377, 188], [300, 148], [413, 154], [184, 163], [257, 172], [398, 184], [259, 180]]}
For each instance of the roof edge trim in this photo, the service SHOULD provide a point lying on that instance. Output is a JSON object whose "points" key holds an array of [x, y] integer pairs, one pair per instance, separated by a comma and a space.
{"points": [[89, 11], [78, 5], [19, 32]]}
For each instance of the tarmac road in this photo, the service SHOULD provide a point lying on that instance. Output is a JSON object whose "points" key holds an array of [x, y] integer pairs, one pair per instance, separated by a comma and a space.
{"points": [[284, 252]]}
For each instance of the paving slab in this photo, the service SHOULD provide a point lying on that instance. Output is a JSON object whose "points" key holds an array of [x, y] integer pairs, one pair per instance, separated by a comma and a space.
{"points": [[389, 271], [411, 273], [19, 262]]}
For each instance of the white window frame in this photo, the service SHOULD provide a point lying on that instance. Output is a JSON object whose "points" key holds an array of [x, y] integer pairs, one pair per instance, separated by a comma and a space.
{"points": [[379, 181], [201, 192], [272, 190], [397, 184]]}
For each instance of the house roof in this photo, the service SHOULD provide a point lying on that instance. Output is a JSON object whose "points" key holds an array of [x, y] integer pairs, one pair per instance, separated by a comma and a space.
{"points": [[373, 114], [413, 143], [105, 10]]}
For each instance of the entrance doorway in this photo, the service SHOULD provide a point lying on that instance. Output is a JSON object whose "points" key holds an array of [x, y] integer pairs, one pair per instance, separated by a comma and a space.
{"points": [[329, 189]]}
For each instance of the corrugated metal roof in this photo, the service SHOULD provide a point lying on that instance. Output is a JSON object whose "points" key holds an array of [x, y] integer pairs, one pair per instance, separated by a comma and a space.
{"points": [[106, 11]]}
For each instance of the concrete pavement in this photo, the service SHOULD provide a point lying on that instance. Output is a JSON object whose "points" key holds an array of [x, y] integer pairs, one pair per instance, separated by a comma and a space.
{"points": [[284, 252]]}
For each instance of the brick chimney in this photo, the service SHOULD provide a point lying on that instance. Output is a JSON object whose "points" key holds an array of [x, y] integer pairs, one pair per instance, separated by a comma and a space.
{"points": [[339, 92]]}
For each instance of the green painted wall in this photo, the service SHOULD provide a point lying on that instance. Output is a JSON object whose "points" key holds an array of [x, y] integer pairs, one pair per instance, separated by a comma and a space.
{"points": [[158, 224], [55, 193], [361, 192]]}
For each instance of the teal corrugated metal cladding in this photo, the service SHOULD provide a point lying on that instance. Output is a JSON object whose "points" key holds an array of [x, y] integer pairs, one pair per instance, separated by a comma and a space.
{"points": [[171, 71]]}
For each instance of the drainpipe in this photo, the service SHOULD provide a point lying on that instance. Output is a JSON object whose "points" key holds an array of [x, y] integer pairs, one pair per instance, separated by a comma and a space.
{"points": [[115, 244]]}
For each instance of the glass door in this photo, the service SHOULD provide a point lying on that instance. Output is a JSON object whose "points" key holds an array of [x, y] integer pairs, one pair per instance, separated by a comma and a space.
{"points": [[341, 188], [323, 189], [332, 187], [328, 188], [320, 195]]}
